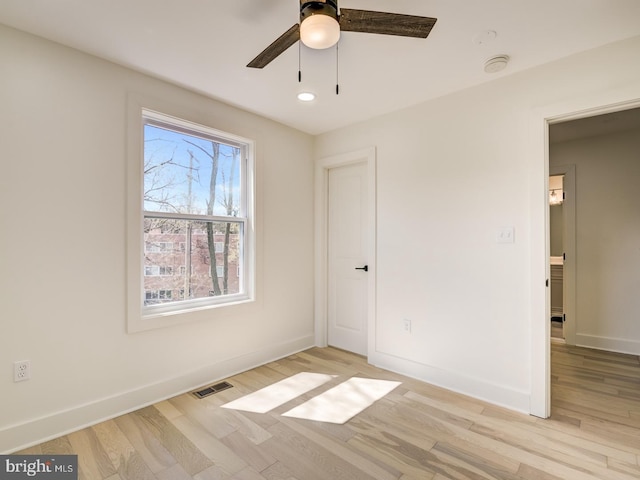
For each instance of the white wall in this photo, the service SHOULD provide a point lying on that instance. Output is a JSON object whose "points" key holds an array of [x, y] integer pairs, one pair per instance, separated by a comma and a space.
{"points": [[555, 228], [451, 172], [607, 238], [63, 240]]}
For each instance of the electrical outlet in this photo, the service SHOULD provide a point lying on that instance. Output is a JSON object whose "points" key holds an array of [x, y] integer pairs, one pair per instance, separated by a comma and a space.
{"points": [[21, 370], [406, 325]]}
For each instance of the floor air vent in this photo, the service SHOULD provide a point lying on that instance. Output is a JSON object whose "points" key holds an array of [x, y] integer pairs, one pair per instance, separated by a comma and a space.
{"points": [[218, 387]]}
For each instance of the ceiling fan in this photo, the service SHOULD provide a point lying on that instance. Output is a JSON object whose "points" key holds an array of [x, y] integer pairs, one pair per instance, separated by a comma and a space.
{"points": [[321, 23]]}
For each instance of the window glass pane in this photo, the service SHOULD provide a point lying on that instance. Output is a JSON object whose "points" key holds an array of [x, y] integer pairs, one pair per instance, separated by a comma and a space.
{"points": [[189, 174], [204, 260]]}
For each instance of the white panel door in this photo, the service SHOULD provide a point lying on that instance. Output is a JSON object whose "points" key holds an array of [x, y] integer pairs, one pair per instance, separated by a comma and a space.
{"points": [[347, 258]]}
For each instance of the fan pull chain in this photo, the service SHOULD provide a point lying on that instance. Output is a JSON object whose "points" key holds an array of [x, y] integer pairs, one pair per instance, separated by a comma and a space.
{"points": [[299, 67], [337, 72]]}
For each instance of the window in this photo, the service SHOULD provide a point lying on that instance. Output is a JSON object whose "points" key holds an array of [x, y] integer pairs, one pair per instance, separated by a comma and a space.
{"points": [[158, 247], [195, 201], [157, 270], [157, 296]]}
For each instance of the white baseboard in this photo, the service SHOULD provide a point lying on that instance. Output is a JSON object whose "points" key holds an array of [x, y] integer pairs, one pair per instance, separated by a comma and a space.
{"points": [[620, 345], [37, 430], [456, 382]]}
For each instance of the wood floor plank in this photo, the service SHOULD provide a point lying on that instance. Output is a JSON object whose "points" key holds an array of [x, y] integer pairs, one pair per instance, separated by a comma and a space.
{"points": [[605, 402], [421, 431], [269, 374], [528, 472], [257, 423], [93, 461], [148, 446], [597, 439], [457, 463], [342, 450], [168, 410], [180, 447], [278, 471], [57, 446], [249, 451], [244, 423], [315, 459], [630, 468], [212, 473], [403, 456], [210, 416], [115, 476], [175, 472], [248, 473], [124, 457], [214, 450], [595, 411]]}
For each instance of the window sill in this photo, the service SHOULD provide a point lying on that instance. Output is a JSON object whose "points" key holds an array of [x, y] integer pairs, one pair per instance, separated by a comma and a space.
{"points": [[151, 318]]}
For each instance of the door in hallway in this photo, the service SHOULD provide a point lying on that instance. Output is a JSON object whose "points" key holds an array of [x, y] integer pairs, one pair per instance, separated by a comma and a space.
{"points": [[347, 281]]}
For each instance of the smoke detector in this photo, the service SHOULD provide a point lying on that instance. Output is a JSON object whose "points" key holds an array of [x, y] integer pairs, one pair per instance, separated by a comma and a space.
{"points": [[496, 64]]}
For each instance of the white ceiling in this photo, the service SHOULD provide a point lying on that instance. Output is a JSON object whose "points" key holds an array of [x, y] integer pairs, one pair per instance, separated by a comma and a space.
{"points": [[205, 45]]}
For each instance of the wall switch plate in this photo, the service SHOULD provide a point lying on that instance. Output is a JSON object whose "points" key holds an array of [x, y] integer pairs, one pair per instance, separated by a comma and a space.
{"points": [[406, 325], [21, 370], [506, 235]]}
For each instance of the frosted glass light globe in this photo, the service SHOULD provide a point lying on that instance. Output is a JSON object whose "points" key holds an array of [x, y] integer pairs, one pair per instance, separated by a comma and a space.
{"points": [[320, 31]]}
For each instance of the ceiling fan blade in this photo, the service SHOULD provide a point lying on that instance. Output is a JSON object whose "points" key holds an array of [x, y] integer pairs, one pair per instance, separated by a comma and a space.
{"points": [[384, 23], [283, 42]]}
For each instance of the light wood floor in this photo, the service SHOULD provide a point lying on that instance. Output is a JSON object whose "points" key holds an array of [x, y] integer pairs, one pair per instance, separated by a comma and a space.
{"points": [[417, 432]]}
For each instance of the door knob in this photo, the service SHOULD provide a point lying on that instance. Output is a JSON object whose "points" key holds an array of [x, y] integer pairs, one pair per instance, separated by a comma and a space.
{"points": [[365, 268]]}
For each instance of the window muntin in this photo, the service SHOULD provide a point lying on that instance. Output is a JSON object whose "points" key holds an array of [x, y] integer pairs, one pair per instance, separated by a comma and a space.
{"points": [[195, 216]]}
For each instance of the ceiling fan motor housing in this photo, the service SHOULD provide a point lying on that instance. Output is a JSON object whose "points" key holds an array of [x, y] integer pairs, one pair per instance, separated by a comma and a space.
{"points": [[328, 8]]}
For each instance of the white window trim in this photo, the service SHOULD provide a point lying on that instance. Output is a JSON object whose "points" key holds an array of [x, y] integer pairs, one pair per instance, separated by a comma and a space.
{"points": [[139, 317]]}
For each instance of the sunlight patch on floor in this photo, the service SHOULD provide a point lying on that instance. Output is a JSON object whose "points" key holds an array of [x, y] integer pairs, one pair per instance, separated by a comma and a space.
{"points": [[279, 393]]}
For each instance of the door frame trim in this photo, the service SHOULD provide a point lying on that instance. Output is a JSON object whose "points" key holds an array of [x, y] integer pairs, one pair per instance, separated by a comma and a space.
{"points": [[596, 103], [323, 165]]}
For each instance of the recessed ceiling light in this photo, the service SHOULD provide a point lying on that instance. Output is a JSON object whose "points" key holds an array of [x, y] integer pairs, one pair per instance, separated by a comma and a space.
{"points": [[496, 64], [306, 96]]}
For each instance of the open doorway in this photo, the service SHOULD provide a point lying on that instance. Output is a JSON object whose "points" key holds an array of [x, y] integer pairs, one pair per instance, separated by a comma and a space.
{"points": [[602, 155], [596, 164], [544, 122]]}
